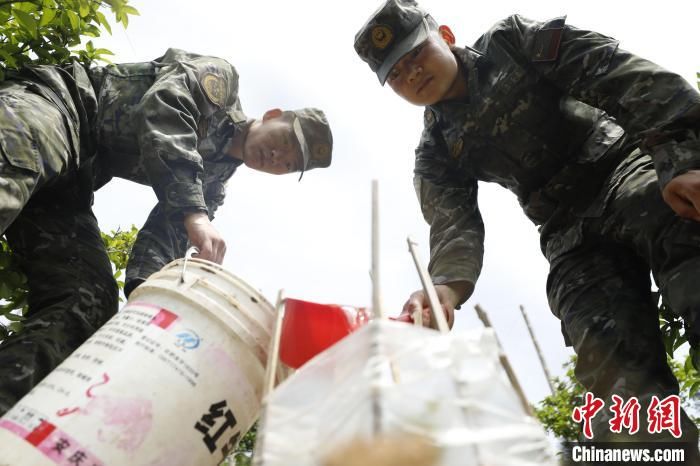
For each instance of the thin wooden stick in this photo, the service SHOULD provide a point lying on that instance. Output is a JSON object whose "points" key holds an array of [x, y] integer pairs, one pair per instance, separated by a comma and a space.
{"points": [[376, 294], [273, 353], [537, 349], [438, 321], [375, 339], [505, 363]]}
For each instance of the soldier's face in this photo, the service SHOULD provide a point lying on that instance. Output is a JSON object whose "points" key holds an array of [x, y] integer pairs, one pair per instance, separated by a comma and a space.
{"points": [[427, 74], [271, 145]]}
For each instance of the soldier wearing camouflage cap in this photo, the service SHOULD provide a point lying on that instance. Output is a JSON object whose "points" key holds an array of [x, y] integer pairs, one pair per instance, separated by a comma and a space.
{"points": [[602, 149], [175, 124]]}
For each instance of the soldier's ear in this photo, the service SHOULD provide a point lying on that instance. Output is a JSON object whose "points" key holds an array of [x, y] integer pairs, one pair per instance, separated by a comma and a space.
{"points": [[272, 113], [447, 35]]}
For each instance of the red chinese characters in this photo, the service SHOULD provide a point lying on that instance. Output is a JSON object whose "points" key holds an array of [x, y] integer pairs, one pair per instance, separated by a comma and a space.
{"points": [[661, 415], [587, 412], [665, 415], [625, 415]]}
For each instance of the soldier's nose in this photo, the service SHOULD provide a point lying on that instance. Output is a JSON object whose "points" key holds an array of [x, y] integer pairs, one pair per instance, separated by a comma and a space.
{"points": [[415, 72]]}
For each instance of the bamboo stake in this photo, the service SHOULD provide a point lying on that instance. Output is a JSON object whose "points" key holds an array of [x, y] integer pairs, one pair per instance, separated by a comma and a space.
{"points": [[376, 349], [505, 363], [537, 349], [438, 321], [270, 372], [376, 295], [273, 353]]}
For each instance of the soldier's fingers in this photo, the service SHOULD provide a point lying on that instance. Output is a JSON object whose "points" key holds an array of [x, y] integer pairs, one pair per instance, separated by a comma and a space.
{"points": [[220, 254], [450, 316], [412, 304], [680, 205], [205, 251], [694, 200], [218, 251], [426, 317]]}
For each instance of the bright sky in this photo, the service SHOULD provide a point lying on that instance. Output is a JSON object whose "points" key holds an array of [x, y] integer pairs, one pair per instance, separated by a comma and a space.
{"points": [[313, 238]]}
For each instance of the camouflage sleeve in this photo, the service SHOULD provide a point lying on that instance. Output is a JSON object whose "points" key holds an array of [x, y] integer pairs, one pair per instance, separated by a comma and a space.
{"points": [[183, 94], [160, 241], [449, 205], [657, 107]]}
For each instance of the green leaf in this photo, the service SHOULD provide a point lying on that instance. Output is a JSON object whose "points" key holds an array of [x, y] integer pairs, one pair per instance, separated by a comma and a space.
{"points": [[130, 10], [47, 15], [694, 355], [688, 364], [84, 8], [26, 6], [15, 327], [694, 389], [103, 52], [14, 317], [73, 18], [27, 21], [103, 21], [679, 342]]}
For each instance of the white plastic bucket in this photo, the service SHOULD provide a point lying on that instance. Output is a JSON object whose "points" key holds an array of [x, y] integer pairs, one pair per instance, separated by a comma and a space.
{"points": [[175, 378]]}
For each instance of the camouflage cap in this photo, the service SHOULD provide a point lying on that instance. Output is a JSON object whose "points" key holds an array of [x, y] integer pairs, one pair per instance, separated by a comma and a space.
{"points": [[314, 136], [396, 28]]}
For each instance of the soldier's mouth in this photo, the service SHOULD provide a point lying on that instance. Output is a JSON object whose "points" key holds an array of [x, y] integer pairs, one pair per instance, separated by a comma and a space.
{"points": [[423, 85]]}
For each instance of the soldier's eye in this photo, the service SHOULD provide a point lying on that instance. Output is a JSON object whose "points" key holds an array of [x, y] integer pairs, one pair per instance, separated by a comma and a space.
{"points": [[417, 50], [393, 74]]}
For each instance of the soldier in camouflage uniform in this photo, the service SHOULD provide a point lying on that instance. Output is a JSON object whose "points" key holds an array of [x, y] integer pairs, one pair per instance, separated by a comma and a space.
{"points": [[175, 124], [602, 149]]}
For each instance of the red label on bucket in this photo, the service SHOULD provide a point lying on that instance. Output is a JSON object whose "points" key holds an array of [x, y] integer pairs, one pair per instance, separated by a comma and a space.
{"points": [[40, 433], [56, 444], [164, 318]]}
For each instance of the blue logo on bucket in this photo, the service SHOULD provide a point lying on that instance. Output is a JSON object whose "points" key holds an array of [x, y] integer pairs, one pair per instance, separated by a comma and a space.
{"points": [[187, 340]]}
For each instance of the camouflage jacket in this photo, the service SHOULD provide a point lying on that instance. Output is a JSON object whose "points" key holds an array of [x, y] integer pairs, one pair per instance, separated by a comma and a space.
{"points": [[538, 121], [164, 123]]}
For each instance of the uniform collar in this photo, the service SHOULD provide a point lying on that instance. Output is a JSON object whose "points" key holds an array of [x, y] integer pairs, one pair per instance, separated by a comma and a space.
{"points": [[471, 61]]}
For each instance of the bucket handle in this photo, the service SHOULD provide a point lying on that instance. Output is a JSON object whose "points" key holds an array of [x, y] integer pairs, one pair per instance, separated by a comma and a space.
{"points": [[188, 255]]}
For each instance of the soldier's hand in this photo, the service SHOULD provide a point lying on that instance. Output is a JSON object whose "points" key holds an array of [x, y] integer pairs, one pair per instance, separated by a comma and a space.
{"points": [[682, 194], [202, 234], [449, 295]]}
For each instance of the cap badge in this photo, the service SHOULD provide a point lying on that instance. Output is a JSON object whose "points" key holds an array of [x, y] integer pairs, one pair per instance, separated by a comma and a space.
{"points": [[321, 151], [381, 36]]}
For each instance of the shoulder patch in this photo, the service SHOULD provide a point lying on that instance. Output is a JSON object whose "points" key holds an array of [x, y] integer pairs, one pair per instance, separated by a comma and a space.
{"points": [[214, 88], [547, 40]]}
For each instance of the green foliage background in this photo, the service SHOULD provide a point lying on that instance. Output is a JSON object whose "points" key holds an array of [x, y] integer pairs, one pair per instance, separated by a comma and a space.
{"points": [[51, 31]]}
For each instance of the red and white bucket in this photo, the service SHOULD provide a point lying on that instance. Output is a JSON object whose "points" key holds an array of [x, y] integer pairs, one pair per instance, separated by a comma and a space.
{"points": [[174, 379]]}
